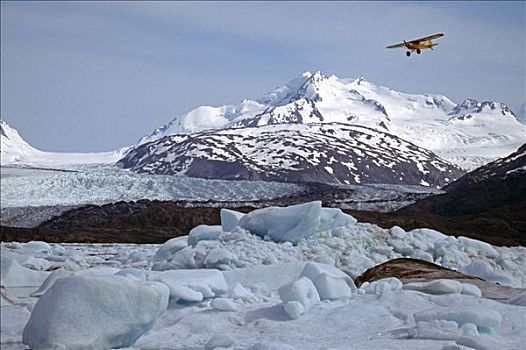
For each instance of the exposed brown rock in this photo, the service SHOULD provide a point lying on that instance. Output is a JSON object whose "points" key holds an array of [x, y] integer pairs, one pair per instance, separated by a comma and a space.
{"points": [[409, 269], [412, 270]]}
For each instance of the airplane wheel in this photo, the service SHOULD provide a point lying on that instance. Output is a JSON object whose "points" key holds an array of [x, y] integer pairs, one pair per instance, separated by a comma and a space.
{"points": [[408, 53], [418, 51]]}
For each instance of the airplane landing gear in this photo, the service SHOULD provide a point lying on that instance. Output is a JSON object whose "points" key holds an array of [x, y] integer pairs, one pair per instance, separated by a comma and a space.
{"points": [[408, 53], [418, 51]]}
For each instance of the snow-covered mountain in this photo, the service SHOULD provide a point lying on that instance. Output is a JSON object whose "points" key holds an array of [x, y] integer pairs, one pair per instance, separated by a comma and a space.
{"points": [[469, 134], [520, 113], [321, 152], [13, 147], [16, 151]]}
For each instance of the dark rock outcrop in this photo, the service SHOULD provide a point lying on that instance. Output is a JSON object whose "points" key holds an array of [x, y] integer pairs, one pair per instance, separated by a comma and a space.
{"points": [[407, 269], [412, 270]]}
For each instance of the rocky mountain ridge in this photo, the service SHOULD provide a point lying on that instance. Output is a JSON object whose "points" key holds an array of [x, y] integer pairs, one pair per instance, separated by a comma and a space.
{"points": [[328, 153]]}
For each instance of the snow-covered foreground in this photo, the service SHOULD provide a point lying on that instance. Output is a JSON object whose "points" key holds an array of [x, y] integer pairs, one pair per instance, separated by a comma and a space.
{"points": [[277, 278], [99, 184]]}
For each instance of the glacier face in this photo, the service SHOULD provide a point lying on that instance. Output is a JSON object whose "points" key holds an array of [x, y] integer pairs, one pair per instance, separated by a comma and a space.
{"points": [[468, 134]]}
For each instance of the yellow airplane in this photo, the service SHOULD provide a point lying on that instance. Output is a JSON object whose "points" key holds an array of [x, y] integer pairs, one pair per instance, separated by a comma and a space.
{"points": [[418, 44]]}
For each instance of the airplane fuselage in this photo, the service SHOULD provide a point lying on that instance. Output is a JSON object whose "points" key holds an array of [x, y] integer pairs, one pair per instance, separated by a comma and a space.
{"points": [[420, 46]]}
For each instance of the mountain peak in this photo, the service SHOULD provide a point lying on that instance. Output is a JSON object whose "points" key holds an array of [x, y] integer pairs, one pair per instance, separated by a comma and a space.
{"points": [[361, 79], [2, 126], [428, 120], [13, 147], [472, 106], [309, 74]]}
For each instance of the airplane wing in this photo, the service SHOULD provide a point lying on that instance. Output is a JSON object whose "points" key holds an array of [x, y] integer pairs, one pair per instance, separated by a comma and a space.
{"points": [[395, 46], [430, 37]]}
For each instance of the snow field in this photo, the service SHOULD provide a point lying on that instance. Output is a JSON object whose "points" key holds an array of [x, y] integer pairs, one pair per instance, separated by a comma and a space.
{"points": [[235, 289]]}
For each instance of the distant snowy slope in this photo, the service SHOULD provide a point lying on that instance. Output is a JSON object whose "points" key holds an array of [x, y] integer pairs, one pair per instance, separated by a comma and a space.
{"points": [[329, 152], [521, 113], [499, 171], [13, 147], [16, 151], [469, 134]]}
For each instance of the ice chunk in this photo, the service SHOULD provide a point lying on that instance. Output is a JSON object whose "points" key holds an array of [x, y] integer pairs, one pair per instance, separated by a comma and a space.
{"points": [[94, 313], [12, 322], [240, 292], [204, 233], [302, 291], [484, 270], [224, 304], [312, 269], [397, 232], [441, 286], [219, 341], [428, 234], [38, 246], [475, 247], [288, 224], [481, 342], [194, 285], [33, 263], [330, 282], [230, 219], [18, 279], [436, 329], [50, 280], [334, 217], [382, 285], [6, 298], [471, 289], [330, 288], [184, 258], [170, 247], [272, 276], [132, 272], [482, 317], [218, 256], [57, 249], [294, 309], [186, 294], [469, 329], [97, 271]]}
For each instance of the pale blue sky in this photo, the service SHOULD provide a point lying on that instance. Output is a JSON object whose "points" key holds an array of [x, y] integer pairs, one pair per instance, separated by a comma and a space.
{"points": [[94, 76]]}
